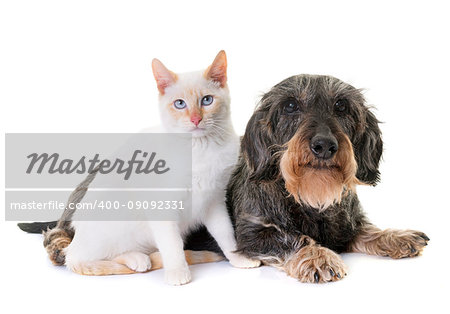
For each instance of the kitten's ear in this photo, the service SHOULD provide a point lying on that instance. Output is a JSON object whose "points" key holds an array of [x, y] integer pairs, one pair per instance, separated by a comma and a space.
{"points": [[217, 71], [164, 78]]}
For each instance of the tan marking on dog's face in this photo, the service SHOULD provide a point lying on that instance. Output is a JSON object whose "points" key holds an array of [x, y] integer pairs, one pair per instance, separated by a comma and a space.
{"points": [[318, 183]]}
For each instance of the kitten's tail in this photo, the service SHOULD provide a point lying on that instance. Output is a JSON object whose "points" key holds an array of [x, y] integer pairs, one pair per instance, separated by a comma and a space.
{"points": [[108, 267], [59, 234], [36, 227], [192, 258]]}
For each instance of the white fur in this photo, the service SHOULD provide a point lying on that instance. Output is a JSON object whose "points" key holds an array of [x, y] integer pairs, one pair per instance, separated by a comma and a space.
{"points": [[215, 148]]}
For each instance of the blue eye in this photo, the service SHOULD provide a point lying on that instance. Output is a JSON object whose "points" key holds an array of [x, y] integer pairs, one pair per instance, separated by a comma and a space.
{"points": [[179, 104], [207, 100]]}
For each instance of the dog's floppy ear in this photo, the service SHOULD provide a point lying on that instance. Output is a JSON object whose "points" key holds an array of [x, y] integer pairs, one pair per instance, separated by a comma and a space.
{"points": [[255, 147], [368, 150]]}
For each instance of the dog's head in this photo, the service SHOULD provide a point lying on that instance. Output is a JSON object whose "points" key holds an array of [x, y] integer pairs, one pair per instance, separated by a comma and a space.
{"points": [[318, 134]]}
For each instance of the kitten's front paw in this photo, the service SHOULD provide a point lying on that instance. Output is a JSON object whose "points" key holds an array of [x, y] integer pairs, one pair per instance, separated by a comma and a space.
{"points": [[137, 261], [177, 277], [241, 261]]}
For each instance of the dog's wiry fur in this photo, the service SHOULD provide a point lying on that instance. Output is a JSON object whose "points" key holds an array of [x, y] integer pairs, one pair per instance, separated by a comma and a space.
{"points": [[317, 188], [392, 243], [294, 210]]}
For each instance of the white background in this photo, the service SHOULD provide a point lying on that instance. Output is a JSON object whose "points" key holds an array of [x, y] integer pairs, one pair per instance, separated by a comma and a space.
{"points": [[84, 66]]}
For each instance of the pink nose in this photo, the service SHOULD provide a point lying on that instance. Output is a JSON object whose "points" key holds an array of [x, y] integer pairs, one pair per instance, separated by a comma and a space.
{"points": [[196, 119]]}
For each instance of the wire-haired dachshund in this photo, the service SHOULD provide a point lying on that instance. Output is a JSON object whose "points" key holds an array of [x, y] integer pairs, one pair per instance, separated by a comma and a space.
{"points": [[292, 196]]}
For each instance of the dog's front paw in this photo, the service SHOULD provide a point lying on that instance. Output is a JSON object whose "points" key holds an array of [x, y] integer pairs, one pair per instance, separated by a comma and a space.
{"points": [[316, 264], [402, 243], [178, 276], [137, 261], [241, 261]]}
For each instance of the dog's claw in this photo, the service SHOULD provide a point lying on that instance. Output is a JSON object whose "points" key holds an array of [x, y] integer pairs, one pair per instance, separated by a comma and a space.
{"points": [[413, 250], [339, 275], [332, 272], [316, 277], [424, 236]]}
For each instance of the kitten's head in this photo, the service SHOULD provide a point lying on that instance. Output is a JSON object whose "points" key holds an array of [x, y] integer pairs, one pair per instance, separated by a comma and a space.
{"points": [[197, 102]]}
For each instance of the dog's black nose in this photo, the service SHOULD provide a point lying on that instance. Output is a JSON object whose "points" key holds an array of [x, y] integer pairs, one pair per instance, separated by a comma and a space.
{"points": [[324, 147]]}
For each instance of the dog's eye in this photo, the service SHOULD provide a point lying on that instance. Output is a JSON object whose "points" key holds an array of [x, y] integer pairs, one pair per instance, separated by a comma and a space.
{"points": [[341, 106], [291, 106]]}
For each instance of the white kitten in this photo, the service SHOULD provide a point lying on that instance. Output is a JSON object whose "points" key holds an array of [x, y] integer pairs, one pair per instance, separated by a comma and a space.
{"points": [[195, 102]]}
